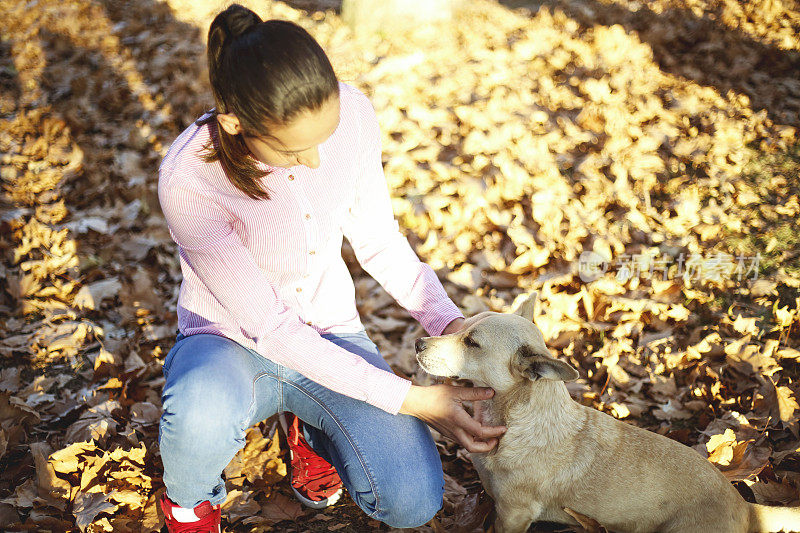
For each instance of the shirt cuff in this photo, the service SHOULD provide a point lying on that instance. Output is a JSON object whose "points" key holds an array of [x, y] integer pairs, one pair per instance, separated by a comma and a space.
{"points": [[439, 315], [388, 391]]}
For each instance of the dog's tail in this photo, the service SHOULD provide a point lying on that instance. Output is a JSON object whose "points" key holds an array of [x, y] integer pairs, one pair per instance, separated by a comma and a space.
{"points": [[764, 518]]}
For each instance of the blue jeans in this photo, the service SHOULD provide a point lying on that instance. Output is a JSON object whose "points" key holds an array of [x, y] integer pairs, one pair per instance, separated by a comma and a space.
{"points": [[216, 389]]}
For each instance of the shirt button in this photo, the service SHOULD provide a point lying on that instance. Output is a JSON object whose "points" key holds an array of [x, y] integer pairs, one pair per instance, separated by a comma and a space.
{"points": [[291, 177], [312, 252], [308, 216], [299, 289]]}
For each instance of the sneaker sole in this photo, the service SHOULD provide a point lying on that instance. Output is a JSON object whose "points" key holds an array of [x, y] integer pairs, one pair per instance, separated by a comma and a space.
{"points": [[322, 504]]}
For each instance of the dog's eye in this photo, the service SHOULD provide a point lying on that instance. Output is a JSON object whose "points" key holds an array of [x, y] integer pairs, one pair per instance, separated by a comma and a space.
{"points": [[469, 341]]}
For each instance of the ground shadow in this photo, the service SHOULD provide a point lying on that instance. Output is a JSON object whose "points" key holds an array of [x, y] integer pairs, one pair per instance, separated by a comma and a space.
{"points": [[700, 48], [10, 90]]}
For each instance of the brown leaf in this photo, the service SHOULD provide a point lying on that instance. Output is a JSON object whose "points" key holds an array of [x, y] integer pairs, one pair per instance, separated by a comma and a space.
{"points": [[239, 504], [145, 413], [24, 495], [14, 412], [590, 525], [87, 506], [747, 461], [259, 459], [750, 360], [51, 488], [152, 517], [774, 493], [279, 508], [471, 512], [8, 515], [90, 296], [782, 403]]}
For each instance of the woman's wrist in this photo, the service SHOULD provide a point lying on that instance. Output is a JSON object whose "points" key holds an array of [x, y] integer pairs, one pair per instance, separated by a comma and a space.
{"points": [[454, 326], [411, 403]]}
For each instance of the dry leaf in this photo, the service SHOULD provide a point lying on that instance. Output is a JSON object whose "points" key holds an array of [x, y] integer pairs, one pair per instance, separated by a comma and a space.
{"points": [[90, 296], [590, 525], [87, 506], [775, 493], [51, 488], [279, 508]]}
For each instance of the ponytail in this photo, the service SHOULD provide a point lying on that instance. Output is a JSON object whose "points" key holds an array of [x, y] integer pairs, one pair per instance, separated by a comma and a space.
{"points": [[265, 73]]}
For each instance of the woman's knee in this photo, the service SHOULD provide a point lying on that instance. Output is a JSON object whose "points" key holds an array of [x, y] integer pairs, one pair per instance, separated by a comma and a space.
{"points": [[206, 401], [412, 490], [414, 499]]}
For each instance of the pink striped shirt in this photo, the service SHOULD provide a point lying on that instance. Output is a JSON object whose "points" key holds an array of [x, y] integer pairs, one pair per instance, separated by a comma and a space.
{"points": [[269, 274]]}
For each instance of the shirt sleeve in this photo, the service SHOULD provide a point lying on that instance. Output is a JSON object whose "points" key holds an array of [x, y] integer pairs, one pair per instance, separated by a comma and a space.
{"points": [[381, 249], [216, 253]]}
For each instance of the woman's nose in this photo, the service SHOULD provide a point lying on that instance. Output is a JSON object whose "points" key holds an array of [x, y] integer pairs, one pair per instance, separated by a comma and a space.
{"points": [[309, 158]]}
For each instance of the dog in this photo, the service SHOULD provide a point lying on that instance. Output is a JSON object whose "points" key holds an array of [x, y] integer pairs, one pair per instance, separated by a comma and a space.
{"points": [[559, 455]]}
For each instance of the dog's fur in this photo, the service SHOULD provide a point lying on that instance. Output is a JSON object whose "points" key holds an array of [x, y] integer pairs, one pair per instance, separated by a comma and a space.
{"points": [[560, 454]]}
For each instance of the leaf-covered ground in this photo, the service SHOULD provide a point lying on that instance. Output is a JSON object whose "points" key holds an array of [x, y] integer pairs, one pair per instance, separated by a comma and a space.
{"points": [[634, 162]]}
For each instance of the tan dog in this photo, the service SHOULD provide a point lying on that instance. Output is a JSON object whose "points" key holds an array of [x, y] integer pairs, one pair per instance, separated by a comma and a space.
{"points": [[560, 454]]}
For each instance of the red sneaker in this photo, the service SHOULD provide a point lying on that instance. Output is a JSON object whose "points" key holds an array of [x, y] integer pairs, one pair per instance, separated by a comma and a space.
{"points": [[315, 481], [210, 518]]}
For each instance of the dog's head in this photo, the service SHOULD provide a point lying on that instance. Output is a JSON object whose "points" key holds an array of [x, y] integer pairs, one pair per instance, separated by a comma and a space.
{"points": [[495, 350]]}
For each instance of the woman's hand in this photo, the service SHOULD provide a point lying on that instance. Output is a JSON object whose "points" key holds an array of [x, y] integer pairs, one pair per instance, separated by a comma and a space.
{"points": [[440, 406]]}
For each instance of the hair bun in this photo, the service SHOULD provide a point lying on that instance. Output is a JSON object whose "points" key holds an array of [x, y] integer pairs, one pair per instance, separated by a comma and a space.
{"points": [[238, 20]]}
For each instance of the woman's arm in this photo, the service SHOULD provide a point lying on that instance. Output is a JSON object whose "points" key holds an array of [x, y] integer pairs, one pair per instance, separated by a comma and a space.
{"points": [[385, 254], [216, 254], [380, 247]]}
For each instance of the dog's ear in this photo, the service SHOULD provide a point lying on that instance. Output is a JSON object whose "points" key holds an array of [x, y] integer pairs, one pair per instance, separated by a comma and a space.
{"points": [[535, 366], [528, 306]]}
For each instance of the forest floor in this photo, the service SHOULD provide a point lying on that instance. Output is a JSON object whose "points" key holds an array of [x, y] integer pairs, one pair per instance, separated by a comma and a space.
{"points": [[634, 162]]}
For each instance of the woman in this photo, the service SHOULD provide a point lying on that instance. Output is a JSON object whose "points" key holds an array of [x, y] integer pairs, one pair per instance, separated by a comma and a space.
{"points": [[257, 194]]}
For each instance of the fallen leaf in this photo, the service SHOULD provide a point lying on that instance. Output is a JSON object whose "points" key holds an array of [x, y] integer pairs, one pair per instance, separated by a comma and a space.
{"points": [[590, 525], [51, 488], [90, 296], [87, 506], [278, 508]]}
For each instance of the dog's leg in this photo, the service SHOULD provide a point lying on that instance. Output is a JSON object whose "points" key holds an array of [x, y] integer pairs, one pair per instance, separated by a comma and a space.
{"points": [[516, 520]]}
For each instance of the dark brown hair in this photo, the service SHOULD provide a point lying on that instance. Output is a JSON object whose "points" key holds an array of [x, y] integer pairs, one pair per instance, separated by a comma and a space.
{"points": [[265, 73]]}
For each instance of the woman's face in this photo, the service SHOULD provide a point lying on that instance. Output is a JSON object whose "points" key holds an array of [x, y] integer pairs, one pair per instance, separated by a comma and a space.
{"points": [[294, 143]]}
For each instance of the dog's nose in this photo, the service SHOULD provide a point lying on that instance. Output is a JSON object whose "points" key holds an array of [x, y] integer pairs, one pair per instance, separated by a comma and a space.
{"points": [[420, 345]]}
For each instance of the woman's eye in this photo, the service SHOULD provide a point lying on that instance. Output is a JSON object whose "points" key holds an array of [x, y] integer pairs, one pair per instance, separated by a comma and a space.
{"points": [[469, 341]]}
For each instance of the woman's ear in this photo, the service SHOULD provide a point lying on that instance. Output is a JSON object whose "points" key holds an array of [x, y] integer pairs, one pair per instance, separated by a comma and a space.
{"points": [[230, 123]]}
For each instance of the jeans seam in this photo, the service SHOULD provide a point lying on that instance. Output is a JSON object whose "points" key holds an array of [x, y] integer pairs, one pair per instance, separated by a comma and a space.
{"points": [[364, 465], [252, 409], [279, 378]]}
